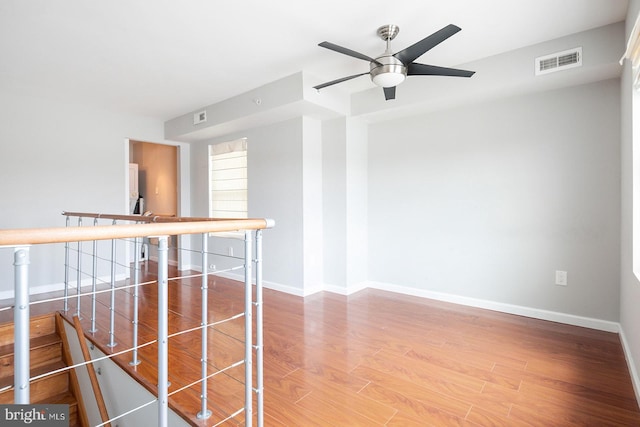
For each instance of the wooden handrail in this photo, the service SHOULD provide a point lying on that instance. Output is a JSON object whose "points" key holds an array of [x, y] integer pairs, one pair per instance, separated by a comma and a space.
{"points": [[36, 236], [92, 372], [145, 218]]}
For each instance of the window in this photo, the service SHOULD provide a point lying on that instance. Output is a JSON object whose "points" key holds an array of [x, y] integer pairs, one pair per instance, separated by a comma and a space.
{"points": [[633, 55], [228, 179]]}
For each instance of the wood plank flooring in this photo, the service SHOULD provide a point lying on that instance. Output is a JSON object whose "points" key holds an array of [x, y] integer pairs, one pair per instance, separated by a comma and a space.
{"points": [[382, 359], [378, 358]]}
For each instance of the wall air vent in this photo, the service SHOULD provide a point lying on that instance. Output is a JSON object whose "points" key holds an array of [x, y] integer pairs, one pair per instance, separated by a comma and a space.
{"points": [[559, 61]]}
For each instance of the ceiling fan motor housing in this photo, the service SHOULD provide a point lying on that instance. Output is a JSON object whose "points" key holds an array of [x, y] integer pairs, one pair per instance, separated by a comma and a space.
{"points": [[390, 73]]}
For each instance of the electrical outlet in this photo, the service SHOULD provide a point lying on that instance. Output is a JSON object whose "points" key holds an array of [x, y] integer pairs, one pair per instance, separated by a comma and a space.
{"points": [[230, 250], [212, 266], [561, 278]]}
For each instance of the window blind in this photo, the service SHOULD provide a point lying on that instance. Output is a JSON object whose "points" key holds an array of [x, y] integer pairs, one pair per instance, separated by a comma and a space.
{"points": [[228, 180]]}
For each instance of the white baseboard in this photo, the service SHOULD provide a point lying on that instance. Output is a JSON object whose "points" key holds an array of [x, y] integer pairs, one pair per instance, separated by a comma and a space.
{"points": [[34, 290], [186, 267], [348, 290], [171, 262], [265, 283], [54, 287], [554, 316], [284, 288], [635, 379]]}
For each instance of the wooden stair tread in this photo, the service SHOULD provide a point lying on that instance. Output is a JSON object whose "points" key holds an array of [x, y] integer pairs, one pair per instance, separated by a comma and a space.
{"points": [[38, 326], [43, 350], [48, 368], [44, 340], [34, 343], [64, 399], [7, 381]]}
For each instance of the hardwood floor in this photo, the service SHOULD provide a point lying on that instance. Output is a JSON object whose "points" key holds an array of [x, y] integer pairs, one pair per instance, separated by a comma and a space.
{"points": [[378, 358], [382, 359]]}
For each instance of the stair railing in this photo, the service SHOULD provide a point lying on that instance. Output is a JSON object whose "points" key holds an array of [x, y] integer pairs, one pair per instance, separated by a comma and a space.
{"points": [[21, 325], [160, 228]]}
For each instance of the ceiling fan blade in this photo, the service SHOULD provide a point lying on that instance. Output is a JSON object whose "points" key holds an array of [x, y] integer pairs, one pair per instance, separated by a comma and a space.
{"points": [[415, 69], [348, 52], [333, 82], [412, 53], [389, 93]]}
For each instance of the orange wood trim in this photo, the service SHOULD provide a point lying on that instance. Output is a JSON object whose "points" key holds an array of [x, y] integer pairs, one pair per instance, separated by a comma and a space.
{"points": [[92, 373]]}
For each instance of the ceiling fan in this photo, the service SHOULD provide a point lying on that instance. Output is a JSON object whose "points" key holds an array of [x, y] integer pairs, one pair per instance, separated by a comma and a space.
{"points": [[390, 69]]}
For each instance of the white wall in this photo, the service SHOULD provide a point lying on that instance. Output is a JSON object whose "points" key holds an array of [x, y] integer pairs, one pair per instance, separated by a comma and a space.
{"points": [[357, 204], [58, 157], [629, 284], [487, 201]]}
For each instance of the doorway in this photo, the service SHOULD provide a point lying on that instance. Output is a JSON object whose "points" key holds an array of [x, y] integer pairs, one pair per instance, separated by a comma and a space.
{"points": [[157, 166]]}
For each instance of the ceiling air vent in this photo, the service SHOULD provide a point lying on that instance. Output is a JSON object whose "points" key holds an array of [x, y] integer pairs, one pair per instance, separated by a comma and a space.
{"points": [[200, 117], [559, 61]]}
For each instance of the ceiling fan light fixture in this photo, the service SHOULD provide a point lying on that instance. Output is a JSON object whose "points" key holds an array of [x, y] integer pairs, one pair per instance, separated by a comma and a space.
{"points": [[389, 79], [388, 75]]}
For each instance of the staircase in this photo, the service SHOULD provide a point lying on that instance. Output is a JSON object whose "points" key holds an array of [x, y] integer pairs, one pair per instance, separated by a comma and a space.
{"points": [[47, 354]]}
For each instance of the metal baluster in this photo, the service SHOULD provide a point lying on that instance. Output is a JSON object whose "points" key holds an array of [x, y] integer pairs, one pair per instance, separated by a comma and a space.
{"points": [[94, 282], [163, 332], [79, 273], [248, 337], [136, 282], [259, 340], [66, 271], [204, 412], [21, 322], [112, 307]]}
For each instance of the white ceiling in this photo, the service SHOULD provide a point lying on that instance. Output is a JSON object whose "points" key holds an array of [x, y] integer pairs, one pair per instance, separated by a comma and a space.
{"points": [[164, 58]]}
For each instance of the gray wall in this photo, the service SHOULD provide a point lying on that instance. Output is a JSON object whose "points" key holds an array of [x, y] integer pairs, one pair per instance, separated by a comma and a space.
{"points": [[344, 204], [487, 201], [56, 157], [275, 156]]}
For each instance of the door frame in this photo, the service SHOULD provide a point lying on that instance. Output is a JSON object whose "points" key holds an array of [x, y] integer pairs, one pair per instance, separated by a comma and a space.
{"points": [[183, 196]]}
